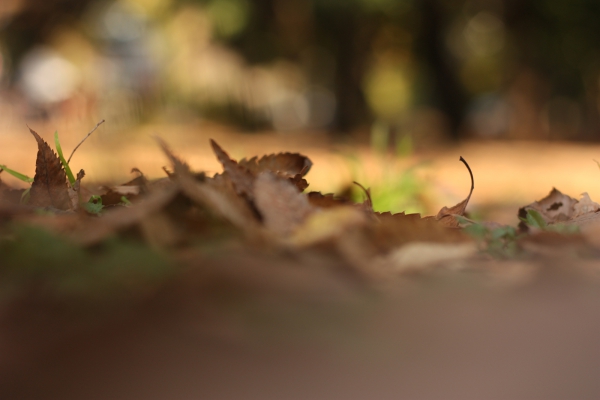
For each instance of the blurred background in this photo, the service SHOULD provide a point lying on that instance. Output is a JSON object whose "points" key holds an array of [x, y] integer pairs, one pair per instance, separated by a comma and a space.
{"points": [[399, 77]]}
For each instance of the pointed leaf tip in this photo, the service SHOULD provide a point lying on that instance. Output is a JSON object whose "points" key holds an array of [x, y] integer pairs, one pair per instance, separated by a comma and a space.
{"points": [[241, 177], [49, 187]]}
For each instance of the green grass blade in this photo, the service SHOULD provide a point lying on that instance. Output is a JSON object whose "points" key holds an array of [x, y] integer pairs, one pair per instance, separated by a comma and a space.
{"points": [[16, 174], [62, 159], [25, 196]]}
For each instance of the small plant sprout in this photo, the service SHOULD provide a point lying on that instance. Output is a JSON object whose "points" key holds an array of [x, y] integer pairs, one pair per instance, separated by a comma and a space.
{"points": [[94, 205]]}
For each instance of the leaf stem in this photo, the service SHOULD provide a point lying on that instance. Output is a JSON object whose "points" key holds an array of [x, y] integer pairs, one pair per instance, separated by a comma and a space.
{"points": [[83, 140], [470, 173]]}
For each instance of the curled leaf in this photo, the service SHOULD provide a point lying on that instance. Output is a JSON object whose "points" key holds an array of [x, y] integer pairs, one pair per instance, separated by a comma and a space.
{"points": [[292, 166], [285, 164]]}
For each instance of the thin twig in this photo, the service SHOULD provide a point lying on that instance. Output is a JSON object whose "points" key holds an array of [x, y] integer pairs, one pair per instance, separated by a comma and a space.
{"points": [[83, 140]]}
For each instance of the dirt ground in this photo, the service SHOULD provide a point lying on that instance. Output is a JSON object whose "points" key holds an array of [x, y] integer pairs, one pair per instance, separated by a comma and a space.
{"points": [[315, 336]]}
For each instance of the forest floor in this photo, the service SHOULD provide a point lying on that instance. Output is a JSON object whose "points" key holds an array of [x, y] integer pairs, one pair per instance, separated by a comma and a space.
{"points": [[508, 174], [231, 317]]}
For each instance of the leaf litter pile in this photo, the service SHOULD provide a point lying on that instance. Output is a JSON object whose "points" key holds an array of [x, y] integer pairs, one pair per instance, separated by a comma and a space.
{"points": [[254, 228]]}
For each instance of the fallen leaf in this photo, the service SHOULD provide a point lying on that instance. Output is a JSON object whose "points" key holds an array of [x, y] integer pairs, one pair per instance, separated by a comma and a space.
{"points": [[280, 204], [320, 200], [299, 182], [292, 166], [92, 230], [327, 225], [241, 177], [585, 205], [283, 164], [49, 188], [217, 194], [555, 207], [131, 190], [418, 256], [394, 230], [446, 215]]}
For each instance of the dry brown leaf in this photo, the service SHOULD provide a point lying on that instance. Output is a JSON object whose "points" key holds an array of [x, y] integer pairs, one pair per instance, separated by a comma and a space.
{"points": [[130, 190], [218, 194], [394, 230], [585, 205], [328, 225], [279, 203], [555, 207], [92, 230], [329, 200], [419, 256], [586, 215], [49, 188], [446, 215], [282, 164], [298, 181], [241, 177], [292, 166]]}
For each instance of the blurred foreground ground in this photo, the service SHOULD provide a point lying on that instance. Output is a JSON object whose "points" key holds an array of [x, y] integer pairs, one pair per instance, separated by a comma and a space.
{"points": [[309, 335], [508, 174]]}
